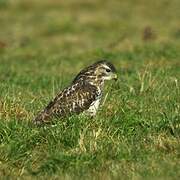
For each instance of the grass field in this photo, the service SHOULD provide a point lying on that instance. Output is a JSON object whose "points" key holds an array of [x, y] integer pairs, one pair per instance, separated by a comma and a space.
{"points": [[136, 134]]}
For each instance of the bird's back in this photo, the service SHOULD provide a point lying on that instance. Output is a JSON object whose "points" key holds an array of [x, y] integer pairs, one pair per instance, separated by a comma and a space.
{"points": [[74, 99]]}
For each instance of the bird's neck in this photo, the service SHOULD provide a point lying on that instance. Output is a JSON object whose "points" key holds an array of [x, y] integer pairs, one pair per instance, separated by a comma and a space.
{"points": [[98, 83]]}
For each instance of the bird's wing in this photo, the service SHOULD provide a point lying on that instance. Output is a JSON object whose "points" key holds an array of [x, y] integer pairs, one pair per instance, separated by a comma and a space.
{"points": [[74, 99]]}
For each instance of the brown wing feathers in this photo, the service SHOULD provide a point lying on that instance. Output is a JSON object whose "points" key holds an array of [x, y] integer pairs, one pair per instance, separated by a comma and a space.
{"points": [[74, 99]]}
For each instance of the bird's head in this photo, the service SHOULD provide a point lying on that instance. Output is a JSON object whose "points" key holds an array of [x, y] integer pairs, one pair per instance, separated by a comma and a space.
{"points": [[105, 70], [98, 72]]}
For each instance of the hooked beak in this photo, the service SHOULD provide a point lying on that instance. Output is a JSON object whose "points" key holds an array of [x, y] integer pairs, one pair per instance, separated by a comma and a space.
{"points": [[115, 77]]}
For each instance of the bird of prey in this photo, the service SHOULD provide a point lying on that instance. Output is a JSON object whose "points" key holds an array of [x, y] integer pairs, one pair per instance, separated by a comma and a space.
{"points": [[83, 95]]}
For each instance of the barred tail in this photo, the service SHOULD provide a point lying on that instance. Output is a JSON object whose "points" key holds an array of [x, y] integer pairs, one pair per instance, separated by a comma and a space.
{"points": [[41, 118], [44, 116]]}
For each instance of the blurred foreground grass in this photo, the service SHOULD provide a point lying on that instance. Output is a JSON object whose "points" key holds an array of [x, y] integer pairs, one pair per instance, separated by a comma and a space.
{"points": [[43, 44]]}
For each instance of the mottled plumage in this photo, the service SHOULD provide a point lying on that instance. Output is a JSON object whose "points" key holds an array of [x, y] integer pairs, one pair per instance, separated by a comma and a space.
{"points": [[83, 94]]}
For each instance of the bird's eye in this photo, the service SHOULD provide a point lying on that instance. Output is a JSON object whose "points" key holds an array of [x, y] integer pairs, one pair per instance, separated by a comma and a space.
{"points": [[108, 70]]}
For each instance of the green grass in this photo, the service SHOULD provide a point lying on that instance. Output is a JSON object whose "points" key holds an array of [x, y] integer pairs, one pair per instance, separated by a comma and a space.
{"points": [[136, 134]]}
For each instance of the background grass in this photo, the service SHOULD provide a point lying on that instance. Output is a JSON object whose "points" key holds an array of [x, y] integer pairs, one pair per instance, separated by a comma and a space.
{"points": [[44, 44]]}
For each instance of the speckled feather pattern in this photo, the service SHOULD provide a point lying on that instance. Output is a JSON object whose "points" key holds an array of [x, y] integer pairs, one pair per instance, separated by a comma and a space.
{"points": [[83, 95]]}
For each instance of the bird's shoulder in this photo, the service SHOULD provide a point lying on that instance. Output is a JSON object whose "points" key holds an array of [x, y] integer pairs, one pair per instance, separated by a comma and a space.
{"points": [[80, 90], [78, 96]]}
